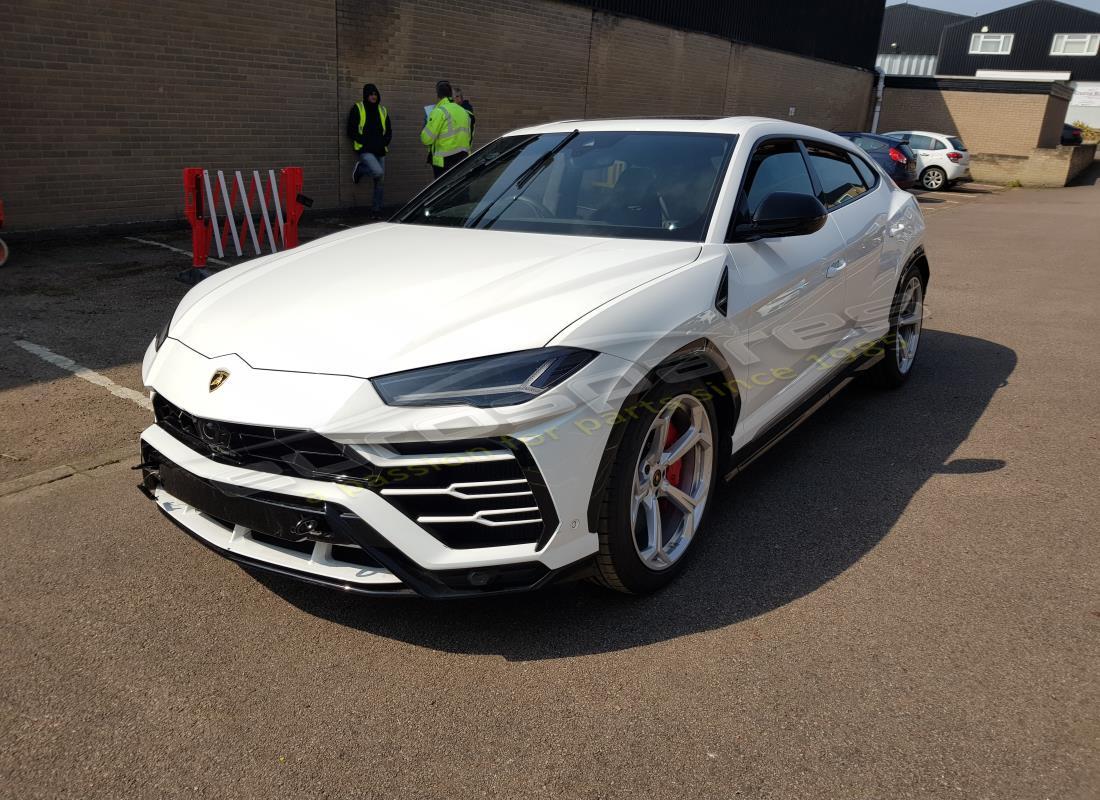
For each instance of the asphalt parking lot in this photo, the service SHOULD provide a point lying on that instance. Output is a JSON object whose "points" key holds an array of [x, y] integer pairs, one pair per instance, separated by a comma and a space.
{"points": [[899, 600]]}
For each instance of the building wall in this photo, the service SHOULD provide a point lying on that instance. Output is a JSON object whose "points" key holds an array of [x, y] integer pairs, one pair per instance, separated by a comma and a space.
{"points": [[626, 79], [902, 64], [912, 29], [769, 83], [1033, 26], [103, 104], [520, 62], [988, 122], [1044, 166], [104, 107], [840, 31], [1085, 105], [1011, 130]]}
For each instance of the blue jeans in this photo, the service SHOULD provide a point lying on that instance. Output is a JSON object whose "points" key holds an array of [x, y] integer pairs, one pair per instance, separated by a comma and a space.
{"points": [[375, 167]]}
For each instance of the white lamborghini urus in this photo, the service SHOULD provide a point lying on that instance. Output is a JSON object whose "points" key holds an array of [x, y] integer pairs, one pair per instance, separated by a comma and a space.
{"points": [[542, 366]]}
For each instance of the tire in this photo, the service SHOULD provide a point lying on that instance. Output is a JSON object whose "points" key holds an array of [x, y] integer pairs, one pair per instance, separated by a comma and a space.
{"points": [[902, 343], [933, 178], [627, 560]]}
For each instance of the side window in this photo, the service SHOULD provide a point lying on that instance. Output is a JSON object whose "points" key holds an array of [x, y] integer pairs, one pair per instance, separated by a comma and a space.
{"points": [[920, 142], [865, 172], [840, 183], [938, 145], [872, 145], [776, 166]]}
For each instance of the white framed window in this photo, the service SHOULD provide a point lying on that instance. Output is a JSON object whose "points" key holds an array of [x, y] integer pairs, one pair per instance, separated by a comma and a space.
{"points": [[991, 44], [1075, 44]]}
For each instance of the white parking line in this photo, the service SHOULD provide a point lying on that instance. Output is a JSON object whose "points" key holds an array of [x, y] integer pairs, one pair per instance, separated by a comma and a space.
{"points": [[175, 249], [85, 373]]}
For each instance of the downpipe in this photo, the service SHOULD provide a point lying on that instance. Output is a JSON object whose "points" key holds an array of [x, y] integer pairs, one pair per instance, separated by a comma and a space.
{"points": [[878, 98]]}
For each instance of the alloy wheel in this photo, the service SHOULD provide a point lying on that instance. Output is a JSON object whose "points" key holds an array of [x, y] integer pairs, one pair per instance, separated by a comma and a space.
{"points": [[672, 481], [933, 179], [910, 316]]}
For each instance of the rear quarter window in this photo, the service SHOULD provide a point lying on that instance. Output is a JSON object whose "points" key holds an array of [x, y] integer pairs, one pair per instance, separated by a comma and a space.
{"points": [[872, 145], [840, 182], [870, 177]]}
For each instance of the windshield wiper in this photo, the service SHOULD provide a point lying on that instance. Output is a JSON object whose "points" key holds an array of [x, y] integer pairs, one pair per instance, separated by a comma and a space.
{"points": [[443, 191], [525, 177]]}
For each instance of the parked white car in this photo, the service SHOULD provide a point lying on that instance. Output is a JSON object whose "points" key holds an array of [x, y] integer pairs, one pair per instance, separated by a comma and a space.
{"points": [[941, 159], [540, 368]]}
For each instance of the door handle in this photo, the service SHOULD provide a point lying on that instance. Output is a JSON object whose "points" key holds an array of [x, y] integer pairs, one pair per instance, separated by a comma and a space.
{"points": [[836, 268]]}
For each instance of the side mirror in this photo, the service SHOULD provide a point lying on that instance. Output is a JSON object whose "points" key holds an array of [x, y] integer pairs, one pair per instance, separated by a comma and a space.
{"points": [[783, 214]]}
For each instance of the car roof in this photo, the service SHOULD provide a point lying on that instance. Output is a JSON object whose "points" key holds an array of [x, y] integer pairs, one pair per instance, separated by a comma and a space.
{"points": [[927, 133], [742, 126], [881, 136]]}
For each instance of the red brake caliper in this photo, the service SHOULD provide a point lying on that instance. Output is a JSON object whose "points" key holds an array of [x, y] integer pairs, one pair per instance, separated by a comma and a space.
{"points": [[672, 472]]}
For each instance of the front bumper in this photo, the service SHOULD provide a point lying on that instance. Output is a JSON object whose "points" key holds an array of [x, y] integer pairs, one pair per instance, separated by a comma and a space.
{"points": [[350, 555], [518, 522], [318, 531]]}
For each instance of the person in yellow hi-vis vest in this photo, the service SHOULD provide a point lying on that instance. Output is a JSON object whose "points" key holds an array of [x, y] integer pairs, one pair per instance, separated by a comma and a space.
{"points": [[370, 132], [447, 131]]}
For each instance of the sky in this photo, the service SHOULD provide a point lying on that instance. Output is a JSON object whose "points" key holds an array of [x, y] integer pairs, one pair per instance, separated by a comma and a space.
{"points": [[985, 6]]}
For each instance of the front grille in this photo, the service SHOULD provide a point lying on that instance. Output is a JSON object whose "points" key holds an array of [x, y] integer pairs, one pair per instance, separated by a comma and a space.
{"points": [[467, 494], [270, 518], [283, 451]]}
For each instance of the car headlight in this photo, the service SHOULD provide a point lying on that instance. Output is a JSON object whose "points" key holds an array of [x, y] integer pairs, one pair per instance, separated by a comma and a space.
{"points": [[488, 382], [162, 335]]}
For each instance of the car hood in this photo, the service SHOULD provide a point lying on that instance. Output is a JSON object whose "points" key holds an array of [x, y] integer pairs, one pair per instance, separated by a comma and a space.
{"points": [[389, 297]]}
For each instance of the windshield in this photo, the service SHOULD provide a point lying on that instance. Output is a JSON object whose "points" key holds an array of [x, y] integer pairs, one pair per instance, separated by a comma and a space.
{"points": [[639, 185], [956, 142]]}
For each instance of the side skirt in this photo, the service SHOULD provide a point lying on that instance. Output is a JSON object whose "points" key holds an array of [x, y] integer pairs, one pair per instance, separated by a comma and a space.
{"points": [[775, 433]]}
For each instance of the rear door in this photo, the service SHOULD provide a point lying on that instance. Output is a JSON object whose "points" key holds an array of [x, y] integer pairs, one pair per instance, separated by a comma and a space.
{"points": [[859, 204], [793, 313], [924, 147]]}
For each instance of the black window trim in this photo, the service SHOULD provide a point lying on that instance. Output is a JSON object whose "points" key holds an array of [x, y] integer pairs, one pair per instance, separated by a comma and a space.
{"points": [[817, 182], [740, 196]]}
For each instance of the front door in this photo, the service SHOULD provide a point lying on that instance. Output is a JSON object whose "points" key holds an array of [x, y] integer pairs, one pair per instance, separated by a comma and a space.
{"points": [[776, 340]]}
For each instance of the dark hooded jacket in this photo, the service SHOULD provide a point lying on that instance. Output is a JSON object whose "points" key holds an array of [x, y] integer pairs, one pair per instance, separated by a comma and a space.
{"points": [[375, 139]]}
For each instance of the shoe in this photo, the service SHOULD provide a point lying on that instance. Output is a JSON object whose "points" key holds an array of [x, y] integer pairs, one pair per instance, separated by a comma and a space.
{"points": [[355, 173]]}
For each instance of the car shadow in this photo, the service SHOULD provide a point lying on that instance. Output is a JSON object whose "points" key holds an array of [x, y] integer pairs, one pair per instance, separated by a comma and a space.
{"points": [[802, 515], [965, 188]]}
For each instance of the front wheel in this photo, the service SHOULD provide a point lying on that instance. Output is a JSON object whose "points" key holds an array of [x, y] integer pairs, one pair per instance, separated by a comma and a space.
{"points": [[902, 342], [933, 178], [658, 490]]}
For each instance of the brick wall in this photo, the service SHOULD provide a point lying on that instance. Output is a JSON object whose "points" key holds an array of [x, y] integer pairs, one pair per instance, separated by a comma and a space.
{"points": [[988, 122], [768, 83], [638, 69], [520, 62], [1044, 166], [1013, 136], [104, 104], [1054, 117]]}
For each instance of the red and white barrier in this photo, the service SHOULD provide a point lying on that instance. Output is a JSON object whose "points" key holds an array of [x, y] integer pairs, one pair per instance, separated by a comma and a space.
{"points": [[275, 222]]}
